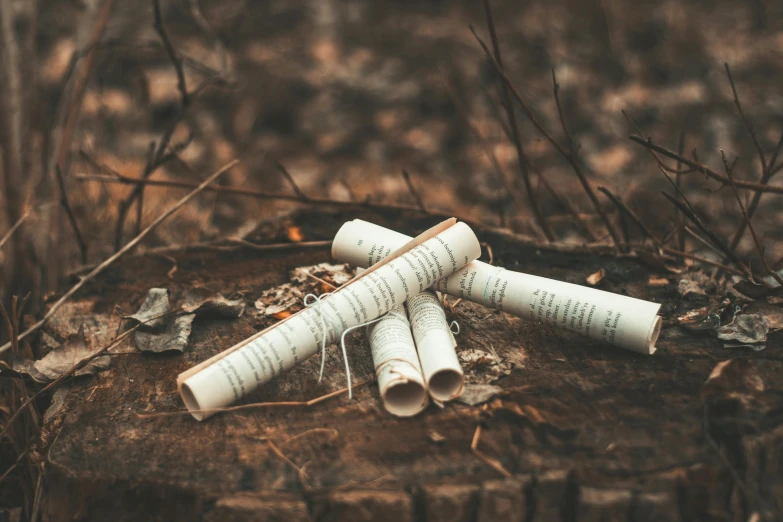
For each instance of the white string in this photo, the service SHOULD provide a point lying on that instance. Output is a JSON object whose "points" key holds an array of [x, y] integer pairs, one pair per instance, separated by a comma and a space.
{"points": [[454, 327], [317, 306], [323, 327]]}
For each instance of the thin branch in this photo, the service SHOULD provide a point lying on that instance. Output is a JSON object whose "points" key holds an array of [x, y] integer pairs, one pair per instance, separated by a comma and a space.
{"points": [[699, 167], [15, 226], [256, 194], [69, 212], [566, 155], [701, 240], [494, 463], [413, 191], [132, 243], [745, 215], [745, 121], [171, 52], [766, 176], [681, 221], [512, 122], [290, 178], [556, 92], [63, 159], [707, 261], [627, 211], [707, 232], [159, 156], [581, 225], [258, 405]]}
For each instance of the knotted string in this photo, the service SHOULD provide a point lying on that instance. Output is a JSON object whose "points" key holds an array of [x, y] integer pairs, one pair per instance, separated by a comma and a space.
{"points": [[317, 306], [454, 327]]}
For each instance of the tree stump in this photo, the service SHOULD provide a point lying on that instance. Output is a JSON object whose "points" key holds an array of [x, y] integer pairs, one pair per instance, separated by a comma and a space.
{"points": [[585, 431]]}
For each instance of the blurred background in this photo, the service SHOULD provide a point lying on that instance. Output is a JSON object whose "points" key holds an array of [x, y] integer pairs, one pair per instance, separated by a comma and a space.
{"points": [[347, 94]]}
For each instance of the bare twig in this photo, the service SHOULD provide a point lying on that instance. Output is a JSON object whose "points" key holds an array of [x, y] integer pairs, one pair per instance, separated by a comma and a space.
{"points": [[80, 86], [746, 121], [581, 224], [686, 209], [171, 52], [494, 463], [570, 158], [71, 218], [681, 221], [514, 129], [696, 166], [413, 191], [745, 215], [279, 246], [132, 243], [195, 12], [256, 405], [257, 194], [284, 171], [11, 230], [707, 261], [158, 155], [627, 211], [556, 92]]}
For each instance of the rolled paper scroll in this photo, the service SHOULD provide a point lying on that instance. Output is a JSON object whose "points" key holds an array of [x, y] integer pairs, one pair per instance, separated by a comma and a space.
{"points": [[436, 346], [403, 390], [234, 373], [623, 321]]}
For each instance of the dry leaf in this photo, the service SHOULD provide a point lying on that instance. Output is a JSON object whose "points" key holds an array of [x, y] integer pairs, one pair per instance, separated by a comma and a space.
{"points": [[746, 330], [200, 300], [476, 394], [61, 359], [657, 281], [594, 279], [155, 305], [174, 337]]}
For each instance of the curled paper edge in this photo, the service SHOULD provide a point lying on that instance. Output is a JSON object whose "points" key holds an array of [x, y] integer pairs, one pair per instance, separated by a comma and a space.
{"points": [[404, 397]]}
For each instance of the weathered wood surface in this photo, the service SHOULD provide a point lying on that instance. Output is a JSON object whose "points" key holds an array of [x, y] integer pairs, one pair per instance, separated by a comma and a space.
{"points": [[589, 432]]}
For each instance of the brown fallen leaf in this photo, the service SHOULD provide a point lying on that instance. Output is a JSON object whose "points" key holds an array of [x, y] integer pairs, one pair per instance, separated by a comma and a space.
{"points": [[476, 394], [200, 300], [155, 304], [174, 337], [62, 359], [746, 330], [597, 277]]}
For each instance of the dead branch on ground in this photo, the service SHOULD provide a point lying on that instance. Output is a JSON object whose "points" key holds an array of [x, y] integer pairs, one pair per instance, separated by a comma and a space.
{"points": [[108, 262]]}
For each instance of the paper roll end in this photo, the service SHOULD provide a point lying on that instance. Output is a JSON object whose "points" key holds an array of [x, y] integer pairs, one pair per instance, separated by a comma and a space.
{"points": [[655, 331], [405, 398], [342, 235], [191, 402], [446, 385]]}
